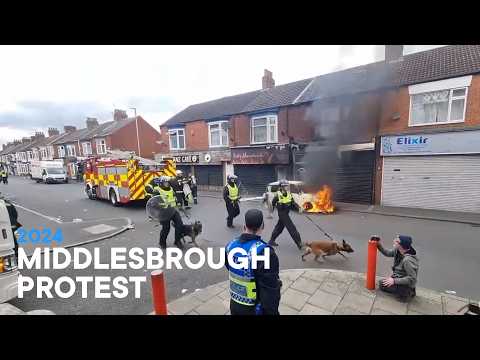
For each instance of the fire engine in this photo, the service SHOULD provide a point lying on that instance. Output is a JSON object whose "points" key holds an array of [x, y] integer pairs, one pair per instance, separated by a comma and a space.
{"points": [[122, 177]]}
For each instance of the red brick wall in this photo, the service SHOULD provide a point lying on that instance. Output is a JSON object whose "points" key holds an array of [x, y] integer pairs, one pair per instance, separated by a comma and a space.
{"points": [[398, 101], [240, 130], [126, 139], [165, 146], [196, 133]]}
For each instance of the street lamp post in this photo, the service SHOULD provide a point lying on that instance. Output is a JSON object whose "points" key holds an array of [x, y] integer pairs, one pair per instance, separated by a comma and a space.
{"points": [[136, 126]]}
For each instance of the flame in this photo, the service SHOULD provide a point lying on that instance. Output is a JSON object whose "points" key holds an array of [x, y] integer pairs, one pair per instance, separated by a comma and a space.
{"points": [[322, 202]]}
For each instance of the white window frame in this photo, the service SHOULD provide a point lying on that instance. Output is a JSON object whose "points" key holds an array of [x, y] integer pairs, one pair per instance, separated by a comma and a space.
{"points": [[44, 153], [61, 151], [450, 99], [72, 152], [268, 117], [89, 152], [36, 155], [170, 132], [101, 144], [29, 155], [219, 123], [50, 152]]}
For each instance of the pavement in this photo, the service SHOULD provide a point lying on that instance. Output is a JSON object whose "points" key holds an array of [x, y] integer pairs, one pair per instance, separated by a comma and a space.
{"points": [[324, 292], [448, 251]]}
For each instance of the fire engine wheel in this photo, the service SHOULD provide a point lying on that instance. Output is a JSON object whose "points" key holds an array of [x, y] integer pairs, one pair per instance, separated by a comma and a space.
{"points": [[113, 198]]}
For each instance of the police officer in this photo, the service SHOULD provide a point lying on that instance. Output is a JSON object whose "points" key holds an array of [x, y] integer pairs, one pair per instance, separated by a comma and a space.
{"points": [[161, 186], [253, 291], [4, 175], [177, 185], [15, 225], [283, 201], [231, 197]]}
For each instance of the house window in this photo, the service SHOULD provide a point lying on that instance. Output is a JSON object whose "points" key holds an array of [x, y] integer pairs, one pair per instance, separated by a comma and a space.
{"points": [[29, 156], [36, 155], [61, 151], [50, 152], [71, 150], [177, 139], [87, 148], [438, 107], [264, 129], [101, 146], [44, 153], [218, 134]]}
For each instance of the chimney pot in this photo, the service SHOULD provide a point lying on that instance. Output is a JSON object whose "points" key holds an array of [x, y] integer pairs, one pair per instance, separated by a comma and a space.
{"points": [[267, 80], [393, 52], [53, 131], [119, 114], [92, 123], [69, 128]]}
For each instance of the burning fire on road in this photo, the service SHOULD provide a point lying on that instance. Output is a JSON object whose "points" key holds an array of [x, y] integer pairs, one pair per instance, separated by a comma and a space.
{"points": [[322, 202]]}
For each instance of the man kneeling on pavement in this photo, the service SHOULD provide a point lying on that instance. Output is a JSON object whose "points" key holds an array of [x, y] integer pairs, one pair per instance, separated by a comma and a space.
{"points": [[405, 269]]}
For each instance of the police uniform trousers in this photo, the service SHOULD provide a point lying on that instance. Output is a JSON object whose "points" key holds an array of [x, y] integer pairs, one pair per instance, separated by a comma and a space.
{"points": [[284, 221], [177, 223]]}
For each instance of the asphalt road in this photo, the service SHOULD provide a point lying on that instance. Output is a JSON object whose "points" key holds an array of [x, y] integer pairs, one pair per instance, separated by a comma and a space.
{"points": [[448, 252]]}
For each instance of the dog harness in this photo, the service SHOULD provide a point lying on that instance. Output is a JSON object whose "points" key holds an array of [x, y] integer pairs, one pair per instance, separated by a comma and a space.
{"points": [[243, 289], [232, 192], [287, 199]]}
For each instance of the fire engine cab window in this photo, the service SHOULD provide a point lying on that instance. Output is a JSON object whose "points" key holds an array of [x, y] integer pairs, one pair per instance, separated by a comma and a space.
{"points": [[438, 107], [177, 139], [101, 171], [121, 170]]}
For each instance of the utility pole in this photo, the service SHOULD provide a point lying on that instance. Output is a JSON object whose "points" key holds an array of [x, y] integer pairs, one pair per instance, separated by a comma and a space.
{"points": [[136, 125]]}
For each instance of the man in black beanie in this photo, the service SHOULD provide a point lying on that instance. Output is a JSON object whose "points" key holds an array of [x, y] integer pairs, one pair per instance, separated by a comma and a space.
{"points": [[403, 281], [253, 291]]}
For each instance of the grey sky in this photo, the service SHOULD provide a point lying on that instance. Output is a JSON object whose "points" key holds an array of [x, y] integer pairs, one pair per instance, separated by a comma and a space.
{"points": [[52, 86]]}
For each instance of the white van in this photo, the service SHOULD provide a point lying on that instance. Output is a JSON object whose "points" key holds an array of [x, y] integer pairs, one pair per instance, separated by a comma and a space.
{"points": [[8, 261], [48, 171]]}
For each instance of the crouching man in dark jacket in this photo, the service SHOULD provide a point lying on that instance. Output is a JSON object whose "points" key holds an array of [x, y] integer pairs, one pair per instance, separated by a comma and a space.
{"points": [[403, 281], [253, 291]]}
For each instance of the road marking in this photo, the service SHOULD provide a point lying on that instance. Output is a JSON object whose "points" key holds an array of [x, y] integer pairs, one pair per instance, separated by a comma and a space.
{"points": [[38, 214]]}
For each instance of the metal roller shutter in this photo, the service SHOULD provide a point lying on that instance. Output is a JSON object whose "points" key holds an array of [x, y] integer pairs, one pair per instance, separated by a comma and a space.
{"points": [[253, 179], [354, 177], [432, 182], [211, 175]]}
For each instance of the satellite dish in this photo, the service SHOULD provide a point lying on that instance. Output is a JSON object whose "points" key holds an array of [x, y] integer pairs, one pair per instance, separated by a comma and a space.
{"points": [[155, 210]]}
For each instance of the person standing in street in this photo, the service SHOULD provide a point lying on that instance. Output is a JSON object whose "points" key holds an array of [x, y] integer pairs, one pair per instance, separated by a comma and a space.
{"points": [[192, 182], [283, 201], [163, 188], [4, 174], [231, 195], [253, 291]]}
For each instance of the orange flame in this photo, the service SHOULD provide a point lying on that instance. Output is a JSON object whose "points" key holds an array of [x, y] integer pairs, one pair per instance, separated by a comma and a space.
{"points": [[322, 202]]}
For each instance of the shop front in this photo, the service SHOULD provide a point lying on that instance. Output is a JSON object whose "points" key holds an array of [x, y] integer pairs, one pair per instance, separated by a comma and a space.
{"points": [[258, 166], [209, 167], [432, 170]]}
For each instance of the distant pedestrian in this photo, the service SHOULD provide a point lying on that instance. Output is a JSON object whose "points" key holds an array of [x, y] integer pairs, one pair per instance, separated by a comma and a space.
{"points": [[253, 291], [403, 281], [4, 175]]}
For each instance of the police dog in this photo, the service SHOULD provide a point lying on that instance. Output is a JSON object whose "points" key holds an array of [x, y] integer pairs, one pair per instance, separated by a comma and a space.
{"points": [[192, 231], [326, 248]]}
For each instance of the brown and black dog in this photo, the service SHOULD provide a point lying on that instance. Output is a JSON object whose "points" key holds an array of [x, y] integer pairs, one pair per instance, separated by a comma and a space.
{"points": [[326, 248]]}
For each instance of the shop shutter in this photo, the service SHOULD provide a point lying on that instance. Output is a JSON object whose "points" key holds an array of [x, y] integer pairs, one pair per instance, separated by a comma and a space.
{"points": [[253, 179]]}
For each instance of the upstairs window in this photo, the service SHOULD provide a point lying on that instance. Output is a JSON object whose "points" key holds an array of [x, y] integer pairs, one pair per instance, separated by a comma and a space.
{"points": [[61, 151], [101, 146], [218, 134], [264, 129], [177, 139], [71, 150], [87, 148]]}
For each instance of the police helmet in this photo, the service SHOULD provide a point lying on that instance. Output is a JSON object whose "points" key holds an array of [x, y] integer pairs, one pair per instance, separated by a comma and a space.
{"points": [[232, 177], [179, 173], [283, 183], [163, 179]]}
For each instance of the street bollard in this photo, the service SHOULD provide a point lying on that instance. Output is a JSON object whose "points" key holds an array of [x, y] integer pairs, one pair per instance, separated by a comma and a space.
{"points": [[159, 292], [372, 262]]}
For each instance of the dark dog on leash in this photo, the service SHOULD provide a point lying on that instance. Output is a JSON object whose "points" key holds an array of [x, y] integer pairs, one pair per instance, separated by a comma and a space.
{"points": [[326, 248], [192, 231]]}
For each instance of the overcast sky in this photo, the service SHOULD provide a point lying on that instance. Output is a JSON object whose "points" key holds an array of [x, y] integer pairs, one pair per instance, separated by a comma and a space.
{"points": [[53, 86]]}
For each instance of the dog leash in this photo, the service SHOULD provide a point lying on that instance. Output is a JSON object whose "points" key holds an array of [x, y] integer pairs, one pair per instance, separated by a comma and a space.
{"points": [[318, 227]]}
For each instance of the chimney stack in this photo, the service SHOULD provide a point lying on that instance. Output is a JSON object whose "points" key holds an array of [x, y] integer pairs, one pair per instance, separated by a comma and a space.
{"points": [[393, 53], [267, 80], [26, 140], [39, 135], [69, 128], [119, 115], [16, 142], [4, 146], [53, 132], [92, 123]]}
